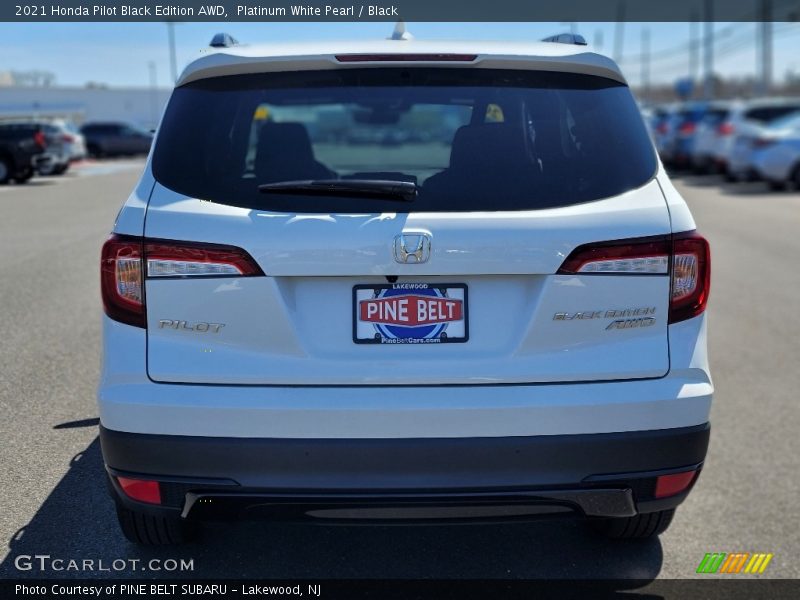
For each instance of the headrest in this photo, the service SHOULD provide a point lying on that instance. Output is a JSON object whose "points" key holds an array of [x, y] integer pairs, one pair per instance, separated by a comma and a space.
{"points": [[290, 139], [479, 146]]}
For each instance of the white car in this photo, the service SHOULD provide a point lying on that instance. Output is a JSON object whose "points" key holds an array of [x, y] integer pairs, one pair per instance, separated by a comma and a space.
{"points": [[711, 134], [777, 160], [73, 139], [745, 125], [503, 318]]}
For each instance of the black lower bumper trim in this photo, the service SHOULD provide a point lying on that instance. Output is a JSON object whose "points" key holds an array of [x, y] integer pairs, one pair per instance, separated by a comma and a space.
{"points": [[417, 506], [602, 475], [396, 464]]}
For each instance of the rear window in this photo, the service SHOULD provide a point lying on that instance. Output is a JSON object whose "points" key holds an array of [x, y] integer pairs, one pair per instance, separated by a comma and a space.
{"points": [[472, 140], [767, 114]]}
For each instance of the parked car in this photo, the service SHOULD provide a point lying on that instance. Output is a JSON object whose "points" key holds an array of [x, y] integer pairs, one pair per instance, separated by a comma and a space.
{"points": [[710, 132], [507, 326], [661, 130], [777, 159], [116, 139], [22, 150], [682, 132], [57, 157], [748, 123], [72, 138]]}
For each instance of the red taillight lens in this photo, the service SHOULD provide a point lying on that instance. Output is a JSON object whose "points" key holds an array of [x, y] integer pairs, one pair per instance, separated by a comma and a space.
{"points": [[686, 256], [662, 128], [725, 128], [634, 256], [141, 489], [691, 276], [122, 280], [127, 260], [67, 139], [687, 128], [40, 140], [669, 485], [346, 58]]}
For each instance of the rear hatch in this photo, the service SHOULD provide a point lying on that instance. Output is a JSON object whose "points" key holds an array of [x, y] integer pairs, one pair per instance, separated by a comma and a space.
{"points": [[477, 278]]}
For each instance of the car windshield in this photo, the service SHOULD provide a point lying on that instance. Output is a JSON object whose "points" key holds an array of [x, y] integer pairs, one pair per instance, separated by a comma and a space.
{"points": [[471, 140]]}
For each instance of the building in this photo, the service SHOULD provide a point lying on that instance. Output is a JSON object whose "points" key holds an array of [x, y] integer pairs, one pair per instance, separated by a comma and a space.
{"points": [[137, 105]]}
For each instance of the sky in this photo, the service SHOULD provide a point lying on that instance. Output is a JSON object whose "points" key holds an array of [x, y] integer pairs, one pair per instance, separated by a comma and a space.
{"points": [[118, 54]]}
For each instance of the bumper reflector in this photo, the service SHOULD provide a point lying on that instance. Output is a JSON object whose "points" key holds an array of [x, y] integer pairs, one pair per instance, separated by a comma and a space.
{"points": [[141, 490], [669, 485]]}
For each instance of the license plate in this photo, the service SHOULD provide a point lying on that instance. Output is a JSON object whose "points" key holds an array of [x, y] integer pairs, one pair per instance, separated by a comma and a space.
{"points": [[410, 313]]}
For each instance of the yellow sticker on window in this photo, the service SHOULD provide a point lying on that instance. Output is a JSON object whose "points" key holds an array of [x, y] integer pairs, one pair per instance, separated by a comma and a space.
{"points": [[494, 114]]}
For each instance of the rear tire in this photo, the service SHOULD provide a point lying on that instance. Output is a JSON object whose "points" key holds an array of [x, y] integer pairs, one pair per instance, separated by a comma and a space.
{"points": [[24, 176], [150, 530], [776, 186], [639, 527]]}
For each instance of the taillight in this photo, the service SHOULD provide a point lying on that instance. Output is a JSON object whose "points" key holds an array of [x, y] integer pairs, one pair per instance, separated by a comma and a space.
{"points": [[691, 276], [662, 128], [40, 139], [685, 256], [648, 256], [128, 260], [122, 280], [687, 128], [346, 58], [725, 128], [67, 139], [187, 259]]}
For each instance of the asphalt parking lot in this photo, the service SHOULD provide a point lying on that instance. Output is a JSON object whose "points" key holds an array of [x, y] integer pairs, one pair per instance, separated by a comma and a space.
{"points": [[53, 496]]}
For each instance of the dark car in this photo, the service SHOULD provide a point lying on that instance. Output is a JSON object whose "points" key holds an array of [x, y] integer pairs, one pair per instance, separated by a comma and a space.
{"points": [[22, 150], [115, 139]]}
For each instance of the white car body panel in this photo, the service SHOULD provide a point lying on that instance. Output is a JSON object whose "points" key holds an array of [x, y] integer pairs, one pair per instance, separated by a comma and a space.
{"points": [[131, 402], [295, 325], [778, 162]]}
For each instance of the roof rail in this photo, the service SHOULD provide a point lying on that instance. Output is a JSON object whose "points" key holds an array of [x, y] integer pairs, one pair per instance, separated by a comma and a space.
{"points": [[567, 38], [222, 40]]}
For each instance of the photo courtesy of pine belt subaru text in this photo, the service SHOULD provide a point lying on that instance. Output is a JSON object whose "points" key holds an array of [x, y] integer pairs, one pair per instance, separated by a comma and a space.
{"points": [[403, 281]]}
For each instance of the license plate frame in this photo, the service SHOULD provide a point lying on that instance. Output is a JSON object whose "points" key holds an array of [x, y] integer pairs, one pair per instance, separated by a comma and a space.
{"points": [[449, 299]]}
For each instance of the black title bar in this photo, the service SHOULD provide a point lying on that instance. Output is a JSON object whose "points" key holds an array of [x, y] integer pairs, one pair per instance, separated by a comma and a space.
{"points": [[611, 589], [408, 10]]}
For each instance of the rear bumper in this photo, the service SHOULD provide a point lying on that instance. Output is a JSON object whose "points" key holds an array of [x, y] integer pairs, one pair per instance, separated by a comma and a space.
{"points": [[597, 475]]}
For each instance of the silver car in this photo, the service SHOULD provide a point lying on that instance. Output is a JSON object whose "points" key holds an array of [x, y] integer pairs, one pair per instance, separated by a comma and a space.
{"points": [[777, 161], [749, 123], [711, 133]]}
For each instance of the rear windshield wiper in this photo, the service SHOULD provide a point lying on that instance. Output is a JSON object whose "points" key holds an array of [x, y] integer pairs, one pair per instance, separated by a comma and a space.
{"points": [[401, 191]]}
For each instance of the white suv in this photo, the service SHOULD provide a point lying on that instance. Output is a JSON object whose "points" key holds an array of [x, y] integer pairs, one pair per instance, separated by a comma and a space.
{"points": [[403, 280]]}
